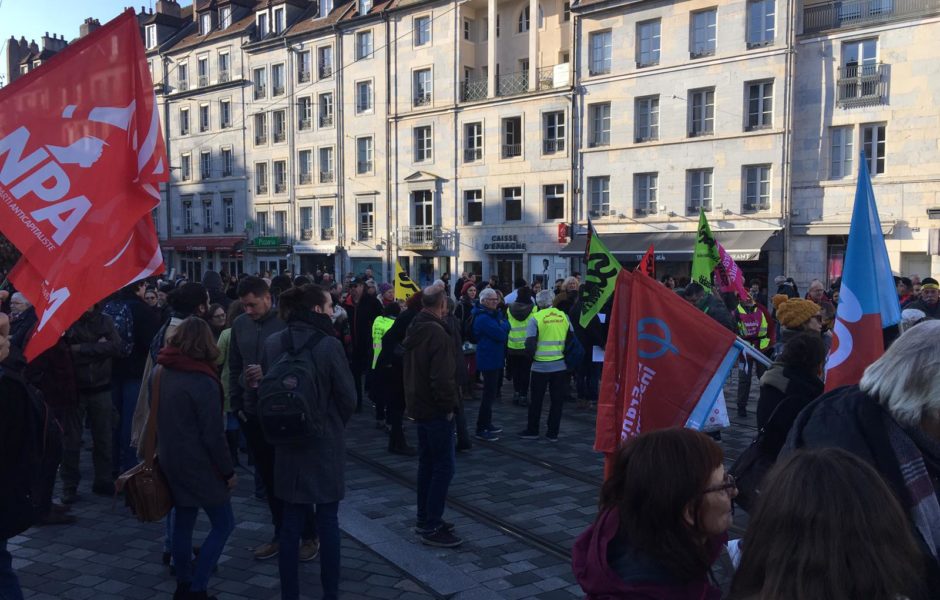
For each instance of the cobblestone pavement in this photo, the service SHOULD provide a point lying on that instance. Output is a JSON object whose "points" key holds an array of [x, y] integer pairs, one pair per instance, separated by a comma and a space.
{"points": [[517, 504]]}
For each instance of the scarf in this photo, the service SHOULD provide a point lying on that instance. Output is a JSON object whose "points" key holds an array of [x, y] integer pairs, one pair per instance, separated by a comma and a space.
{"points": [[924, 507], [171, 358]]}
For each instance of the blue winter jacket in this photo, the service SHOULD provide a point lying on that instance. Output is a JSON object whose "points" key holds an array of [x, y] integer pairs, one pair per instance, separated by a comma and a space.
{"points": [[492, 332]]}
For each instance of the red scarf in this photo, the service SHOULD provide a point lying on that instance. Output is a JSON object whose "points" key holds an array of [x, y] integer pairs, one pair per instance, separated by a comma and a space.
{"points": [[171, 358]]}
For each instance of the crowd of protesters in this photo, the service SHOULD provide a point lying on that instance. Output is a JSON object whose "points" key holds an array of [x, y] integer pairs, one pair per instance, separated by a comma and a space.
{"points": [[210, 344]]}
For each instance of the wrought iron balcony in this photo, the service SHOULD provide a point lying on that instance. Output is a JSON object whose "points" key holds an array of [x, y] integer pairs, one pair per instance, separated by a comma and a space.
{"points": [[325, 70], [280, 187], [473, 89], [551, 146], [364, 166], [326, 120], [306, 233], [326, 233], [182, 85], [512, 150], [862, 85], [848, 13], [512, 84], [224, 76], [261, 138], [420, 237], [303, 77], [306, 178], [259, 92], [545, 78], [326, 176], [304, 124], [365, 231], [646, 210], [261, 188], [278, 90], [203, 80], [422, 99], [279, 136], [472, 154]]}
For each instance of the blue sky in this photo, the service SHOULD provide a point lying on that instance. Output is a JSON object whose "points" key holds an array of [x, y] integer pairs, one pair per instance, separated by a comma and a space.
{"points": [[32, 18]]}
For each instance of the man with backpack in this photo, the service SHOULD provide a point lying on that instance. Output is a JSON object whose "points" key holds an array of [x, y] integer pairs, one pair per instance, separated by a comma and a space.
{"points": [[250, 331]]}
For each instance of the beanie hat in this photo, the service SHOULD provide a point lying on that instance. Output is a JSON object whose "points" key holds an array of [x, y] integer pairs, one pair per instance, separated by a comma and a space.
{"points": [[212, 280], [796, 311], [779, 299], [384, 287], [466, 287]]}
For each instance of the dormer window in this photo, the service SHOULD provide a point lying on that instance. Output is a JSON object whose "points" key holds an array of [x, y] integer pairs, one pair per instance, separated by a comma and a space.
{"points": [[150, 34], [280, 20], [326, 7], [225, 17], [365, 6], [205, 23], [262, 24]]}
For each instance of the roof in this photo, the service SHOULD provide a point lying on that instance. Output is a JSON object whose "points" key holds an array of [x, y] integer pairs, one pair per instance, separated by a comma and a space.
{"points": [[308, 21], [194, 38]]}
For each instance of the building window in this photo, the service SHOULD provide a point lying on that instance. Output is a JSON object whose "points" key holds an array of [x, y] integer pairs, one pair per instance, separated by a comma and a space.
{"points": [[524, 20], [202, 69], [207, 216], [699, 185], [512, 137], [365, 6], [422, 86], [468, 30], [261, 24], [423, 143], [262, 218], [261, 129], [512, 204], [553, 132], [306, 222], [259, 79], [304, 113], [566, 12], [646, 119], [188, 215], [280, 223], [326, 165], [325, 8], [422, 31], [228, 208], [205, 23], [859, 80], [203, 117], [228, 162], [150, 34], [645, 186], [473, 207], [186, 167], [756, 188], [364, 155], [325, 62], [701, 112], [703, 37], [647, 43], [873, 145], [473, 142], [363, 97], [279, 118], [277, 80], [305, 167], [304, 67], [599, 115], [184, 121], [366, 221], [261, 178], [205, 164], [600, 52], [182, 76], [841, 150], [225, 17], [760, 22], [760, 105], [326, 109], [225, 70], [225, 114], [363, 45], [326, 223], [280, 176], [554, 196], [280, 20], [599, 195]]}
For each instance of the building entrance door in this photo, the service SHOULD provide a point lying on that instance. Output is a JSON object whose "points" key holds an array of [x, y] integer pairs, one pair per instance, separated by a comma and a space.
{"points": [[508, 268]]}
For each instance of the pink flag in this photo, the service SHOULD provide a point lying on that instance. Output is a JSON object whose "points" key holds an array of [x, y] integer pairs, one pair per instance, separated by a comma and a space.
{"points": [[729, 276]]}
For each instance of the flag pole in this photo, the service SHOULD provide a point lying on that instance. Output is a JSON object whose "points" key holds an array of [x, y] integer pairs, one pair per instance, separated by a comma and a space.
{"points": [[753, 352]]}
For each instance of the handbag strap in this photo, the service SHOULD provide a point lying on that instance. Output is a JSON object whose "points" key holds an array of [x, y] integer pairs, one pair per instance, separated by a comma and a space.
{"points": [[150, 436]]}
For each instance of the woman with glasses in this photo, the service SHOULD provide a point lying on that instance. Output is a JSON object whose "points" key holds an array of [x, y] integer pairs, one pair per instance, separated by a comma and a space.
{"points": [[664, 516], [217, 320], [828, 528]]}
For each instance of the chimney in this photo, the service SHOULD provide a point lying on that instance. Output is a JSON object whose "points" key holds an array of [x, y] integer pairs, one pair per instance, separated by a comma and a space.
{"points": [[88, 26], [169, 8], [33, 47], [52, 43]]}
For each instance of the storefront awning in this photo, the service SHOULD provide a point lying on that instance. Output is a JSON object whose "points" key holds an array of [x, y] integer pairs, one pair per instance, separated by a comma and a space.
{"points": [[742, 245], [823, 228], [206, 243]]}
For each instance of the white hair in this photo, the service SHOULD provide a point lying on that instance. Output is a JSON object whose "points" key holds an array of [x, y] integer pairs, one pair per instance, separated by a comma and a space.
{"points": [[487, 294], [905, 379], [544, 298], [18, 296], [910, 317]]}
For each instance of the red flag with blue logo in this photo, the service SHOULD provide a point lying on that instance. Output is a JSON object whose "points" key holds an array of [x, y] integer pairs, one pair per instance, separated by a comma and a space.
{"points": [[868, 300]]}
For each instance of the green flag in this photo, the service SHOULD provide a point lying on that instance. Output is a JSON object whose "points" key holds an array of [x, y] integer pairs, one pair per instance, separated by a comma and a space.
{"points": [[706, 256], [602, 270]]}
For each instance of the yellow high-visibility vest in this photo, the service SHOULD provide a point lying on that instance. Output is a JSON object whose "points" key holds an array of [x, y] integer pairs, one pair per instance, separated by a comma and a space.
{"points": [[553, 331], [761, 333], [517, 331], [380, 327]]}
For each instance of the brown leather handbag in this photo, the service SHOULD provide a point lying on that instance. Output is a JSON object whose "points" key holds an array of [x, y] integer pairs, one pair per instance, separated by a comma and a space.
{"points": [[145, 488]]}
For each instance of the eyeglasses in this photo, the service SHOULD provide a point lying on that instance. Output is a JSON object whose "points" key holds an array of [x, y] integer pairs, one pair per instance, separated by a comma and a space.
{"points": [[219, 316], [728, 484]]}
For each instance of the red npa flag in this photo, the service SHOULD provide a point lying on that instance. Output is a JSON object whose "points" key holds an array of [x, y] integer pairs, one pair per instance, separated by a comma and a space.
{"points": [[647, 265], [672, 358], [81, 159]]}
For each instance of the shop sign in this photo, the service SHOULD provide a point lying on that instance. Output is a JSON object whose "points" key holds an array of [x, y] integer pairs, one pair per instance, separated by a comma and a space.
{"points": [[267, 242], [504, 243]]}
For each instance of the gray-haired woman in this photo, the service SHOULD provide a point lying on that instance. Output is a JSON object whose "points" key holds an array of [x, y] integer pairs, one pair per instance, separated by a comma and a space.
{"points": [[891, 419]]}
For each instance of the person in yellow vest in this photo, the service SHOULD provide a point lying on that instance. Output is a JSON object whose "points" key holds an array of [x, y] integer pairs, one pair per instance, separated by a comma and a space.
{"points": [[546, 336], [756, 327], [380, 327], [518, 314]]}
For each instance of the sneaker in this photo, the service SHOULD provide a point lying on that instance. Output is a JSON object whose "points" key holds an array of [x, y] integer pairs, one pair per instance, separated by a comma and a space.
{"points": [[552, 438], [441, 538], [486, 435], [494, 428], [309, 550], [266, 551], [528, 435], [421, 527]]}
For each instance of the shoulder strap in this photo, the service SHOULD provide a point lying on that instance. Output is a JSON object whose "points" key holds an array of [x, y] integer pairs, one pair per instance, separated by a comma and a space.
{"points": [[773, 414], [150, 436]]}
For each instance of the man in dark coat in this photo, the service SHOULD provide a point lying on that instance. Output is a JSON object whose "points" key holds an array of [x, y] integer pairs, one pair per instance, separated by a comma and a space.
{"points": [[929, 301], [213, 283], [431, 397], [368, 310], [388, 377]]}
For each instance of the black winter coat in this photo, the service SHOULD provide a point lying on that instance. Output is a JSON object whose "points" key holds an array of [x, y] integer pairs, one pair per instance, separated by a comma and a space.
{"points": [[146, 325], [789, 389], [16, 513], [429, 370], [92, 358]]}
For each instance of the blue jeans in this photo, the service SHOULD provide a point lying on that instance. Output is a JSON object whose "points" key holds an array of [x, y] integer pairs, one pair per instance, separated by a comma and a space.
{"points": [[9, 584], [491, 380], [293, 520], [223, 523], [124, 394], [437, 463]]}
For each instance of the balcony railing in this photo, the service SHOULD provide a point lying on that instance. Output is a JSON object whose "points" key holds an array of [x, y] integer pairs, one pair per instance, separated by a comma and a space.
{"points": [[473, 89], [512, 84], [182, 85], [259, 92], [205, 173], [512, 150], [862, 85], [848, 13], [545, 78], [224, 76], [306, 178], [227, 171], [326, 233], [306, 233], [261, 139], [261, 188], [280, 187], [646, 210], [552, 146], [326, 176], [278, 90], [326, 120], [472, 154], [420, 237], [303, 77], [279, 136], [304, 124], [365, 232], [325, 70], [203, 80], [422, 99], [363, 166]]}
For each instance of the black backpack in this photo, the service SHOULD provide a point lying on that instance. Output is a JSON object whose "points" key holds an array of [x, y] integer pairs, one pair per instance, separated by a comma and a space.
{"points": [[289, 407]]}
